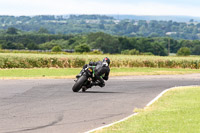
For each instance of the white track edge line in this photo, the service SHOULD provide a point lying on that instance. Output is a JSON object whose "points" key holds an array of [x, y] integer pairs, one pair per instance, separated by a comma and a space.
{"points": [[150, 103]]}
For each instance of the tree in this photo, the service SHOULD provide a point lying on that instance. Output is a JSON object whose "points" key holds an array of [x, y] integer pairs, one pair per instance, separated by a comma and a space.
{"points": [[32, 46], [124, 43], [56, 49], [104, 42], [191, 20], [12, 30], [48, 45], [19, 46], [82, 48], [184, 51], [101, 26], [9, 45], [158, 49], [125, 52], [134, 52], [130, 52], [196, 50], [43, 30]]}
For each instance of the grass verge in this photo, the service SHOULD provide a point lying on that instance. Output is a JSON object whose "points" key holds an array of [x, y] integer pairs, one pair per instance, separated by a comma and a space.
{"points": [[71, 72], [177, 111]]}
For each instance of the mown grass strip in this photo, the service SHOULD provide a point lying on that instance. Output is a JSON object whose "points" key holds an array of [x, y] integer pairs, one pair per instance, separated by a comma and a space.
{"points": [[71, 72], [177, 111]]}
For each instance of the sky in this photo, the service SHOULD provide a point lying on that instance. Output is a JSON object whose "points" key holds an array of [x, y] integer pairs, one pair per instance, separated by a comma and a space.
{"points": [[128, 7]]}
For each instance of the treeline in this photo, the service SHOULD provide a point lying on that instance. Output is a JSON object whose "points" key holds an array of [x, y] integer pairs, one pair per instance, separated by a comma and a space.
{"points": [[76, 24], [19, 40]]}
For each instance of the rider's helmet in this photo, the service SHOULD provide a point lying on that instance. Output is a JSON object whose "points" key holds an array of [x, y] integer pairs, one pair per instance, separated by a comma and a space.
{"points": [[107, 60]]}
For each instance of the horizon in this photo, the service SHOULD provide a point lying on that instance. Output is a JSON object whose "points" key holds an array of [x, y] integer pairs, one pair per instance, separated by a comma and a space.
{"points": [[105, 15]]}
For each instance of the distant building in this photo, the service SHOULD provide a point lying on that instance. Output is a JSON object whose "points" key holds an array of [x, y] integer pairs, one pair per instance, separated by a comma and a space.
{"points": [[198, 34], [170, 33], [116, 21]]}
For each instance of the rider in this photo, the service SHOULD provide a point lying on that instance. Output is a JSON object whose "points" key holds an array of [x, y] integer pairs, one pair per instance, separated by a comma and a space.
{"points": [[101, 72]]}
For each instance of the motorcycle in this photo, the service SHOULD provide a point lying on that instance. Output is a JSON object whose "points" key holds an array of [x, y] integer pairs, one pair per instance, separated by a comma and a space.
{"points": [[85, 80]]}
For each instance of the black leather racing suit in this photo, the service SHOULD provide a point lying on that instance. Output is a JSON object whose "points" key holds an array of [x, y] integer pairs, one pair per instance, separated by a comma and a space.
{"points": [[101, 72]]}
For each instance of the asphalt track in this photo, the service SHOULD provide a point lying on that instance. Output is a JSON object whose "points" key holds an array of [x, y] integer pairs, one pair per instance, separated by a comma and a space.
{"points": [[50, 106]]}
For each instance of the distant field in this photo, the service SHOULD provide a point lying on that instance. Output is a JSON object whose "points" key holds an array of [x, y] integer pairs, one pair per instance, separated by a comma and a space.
{"points": [[18, 60]]}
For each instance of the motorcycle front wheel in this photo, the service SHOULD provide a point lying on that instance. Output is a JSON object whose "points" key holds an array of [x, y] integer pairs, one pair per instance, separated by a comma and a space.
{"points": [[79, 83]]}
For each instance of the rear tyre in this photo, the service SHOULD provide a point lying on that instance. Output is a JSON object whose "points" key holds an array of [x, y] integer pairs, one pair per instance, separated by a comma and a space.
{"points": [[77, 86]]}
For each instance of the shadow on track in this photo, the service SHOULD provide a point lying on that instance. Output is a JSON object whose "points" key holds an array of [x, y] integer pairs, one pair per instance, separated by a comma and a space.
{"points": [[100, 92]]}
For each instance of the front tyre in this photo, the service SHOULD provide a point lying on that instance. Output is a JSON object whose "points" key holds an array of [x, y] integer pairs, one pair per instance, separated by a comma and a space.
{"points": [[78, 85]]}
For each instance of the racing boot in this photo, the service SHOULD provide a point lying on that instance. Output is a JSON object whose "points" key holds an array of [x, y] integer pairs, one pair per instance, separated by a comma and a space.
{"points": [[84, 88]]}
